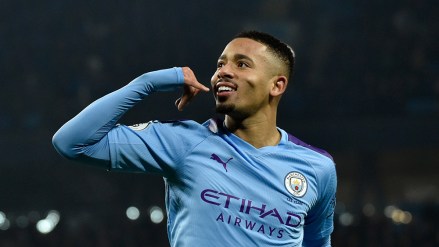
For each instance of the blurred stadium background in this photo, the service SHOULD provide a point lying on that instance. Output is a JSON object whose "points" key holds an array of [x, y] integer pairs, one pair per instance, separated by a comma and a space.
{"points": [[366, 89]]}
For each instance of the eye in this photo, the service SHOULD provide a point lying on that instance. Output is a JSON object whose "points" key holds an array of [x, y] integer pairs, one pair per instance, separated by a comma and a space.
{"points": [[242, 65], [220, 64]]}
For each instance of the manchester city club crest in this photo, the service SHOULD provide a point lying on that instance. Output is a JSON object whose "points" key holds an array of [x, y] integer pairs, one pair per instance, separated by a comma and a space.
{"points": [[140, 126], [296, 184]]}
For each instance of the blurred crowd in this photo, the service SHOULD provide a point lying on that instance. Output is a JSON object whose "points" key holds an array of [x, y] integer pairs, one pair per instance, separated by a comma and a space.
{"points": [[354, 60], [114, 232]]}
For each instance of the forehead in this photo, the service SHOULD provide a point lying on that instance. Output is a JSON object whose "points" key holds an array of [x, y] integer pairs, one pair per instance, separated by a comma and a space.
{"points": [[247, 47]]}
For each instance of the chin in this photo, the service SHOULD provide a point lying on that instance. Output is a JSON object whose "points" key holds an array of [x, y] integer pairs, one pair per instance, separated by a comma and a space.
{"points": [[225, 108]]}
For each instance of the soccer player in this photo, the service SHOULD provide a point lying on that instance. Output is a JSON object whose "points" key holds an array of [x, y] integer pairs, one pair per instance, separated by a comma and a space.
{"points": [[241, 181]]}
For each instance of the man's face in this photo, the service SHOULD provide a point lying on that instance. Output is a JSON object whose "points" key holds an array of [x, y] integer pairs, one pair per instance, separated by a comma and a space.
{"points": [[245, 73]]}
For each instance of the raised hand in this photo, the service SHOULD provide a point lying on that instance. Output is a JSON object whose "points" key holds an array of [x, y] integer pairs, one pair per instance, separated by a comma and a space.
{"points": [[191, 88]]}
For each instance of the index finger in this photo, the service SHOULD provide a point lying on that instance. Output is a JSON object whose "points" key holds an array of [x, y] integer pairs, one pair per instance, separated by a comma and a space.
{"points": [[191, 80], [200, 86]]}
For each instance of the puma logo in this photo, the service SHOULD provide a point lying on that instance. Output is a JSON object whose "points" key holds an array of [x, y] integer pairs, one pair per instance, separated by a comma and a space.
{"points": [[219, 160]]}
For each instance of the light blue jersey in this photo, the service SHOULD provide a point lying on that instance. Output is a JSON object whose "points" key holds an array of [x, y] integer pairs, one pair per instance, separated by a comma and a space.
{"points": [[220, 190]]}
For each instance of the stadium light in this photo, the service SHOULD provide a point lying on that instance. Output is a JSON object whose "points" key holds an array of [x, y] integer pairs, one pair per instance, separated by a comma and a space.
{"points": [[156, 215], [132, 213], [47, 225], [4, 222]]}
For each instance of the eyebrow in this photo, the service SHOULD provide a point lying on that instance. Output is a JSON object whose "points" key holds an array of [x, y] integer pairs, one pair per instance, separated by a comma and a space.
{"points": [[236, 57]]}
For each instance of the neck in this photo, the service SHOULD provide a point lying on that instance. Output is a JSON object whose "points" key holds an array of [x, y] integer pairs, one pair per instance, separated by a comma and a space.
{"points": [[259, 132]]}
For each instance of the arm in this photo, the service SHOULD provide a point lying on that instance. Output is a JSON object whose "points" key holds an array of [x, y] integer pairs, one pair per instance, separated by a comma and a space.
{"points": [[85, 137], [319, 223]]}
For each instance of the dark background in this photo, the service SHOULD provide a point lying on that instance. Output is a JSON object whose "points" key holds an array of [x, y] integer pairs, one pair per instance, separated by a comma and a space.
{"points": [[366, 89]]}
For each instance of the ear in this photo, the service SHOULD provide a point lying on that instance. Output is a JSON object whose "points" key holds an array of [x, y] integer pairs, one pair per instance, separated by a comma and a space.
{"points": [[279, 85]]}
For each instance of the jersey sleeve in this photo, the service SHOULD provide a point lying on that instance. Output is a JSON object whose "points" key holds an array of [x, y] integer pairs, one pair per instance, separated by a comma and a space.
{"points": [[85, 136], [319, 223], [153, 147]]}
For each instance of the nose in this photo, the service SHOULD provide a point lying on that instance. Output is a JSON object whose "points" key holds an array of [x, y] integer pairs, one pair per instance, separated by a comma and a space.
{"points": [[225, 71]]}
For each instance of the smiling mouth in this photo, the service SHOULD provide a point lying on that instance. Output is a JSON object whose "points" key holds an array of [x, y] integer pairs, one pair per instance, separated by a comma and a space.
{"points": [[224, 88], [223, 92]]}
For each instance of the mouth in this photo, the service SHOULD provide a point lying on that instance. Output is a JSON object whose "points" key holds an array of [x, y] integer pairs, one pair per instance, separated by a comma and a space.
{"points": [[225, 88]]}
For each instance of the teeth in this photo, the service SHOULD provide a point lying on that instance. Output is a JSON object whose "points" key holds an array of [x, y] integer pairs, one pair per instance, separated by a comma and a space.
{"points": [[224, 88]]}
